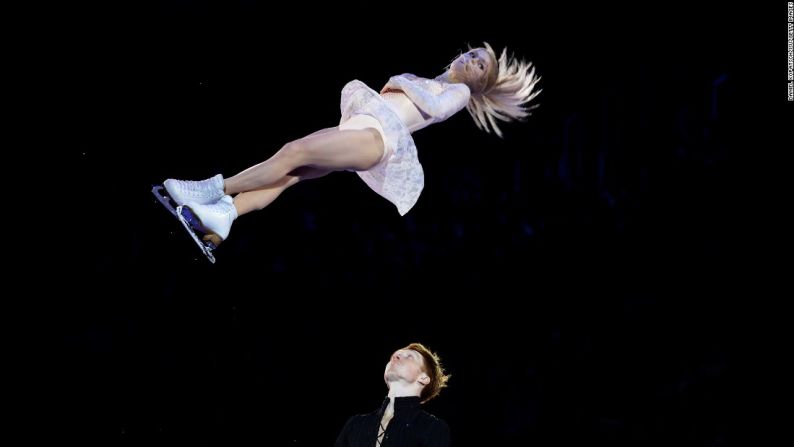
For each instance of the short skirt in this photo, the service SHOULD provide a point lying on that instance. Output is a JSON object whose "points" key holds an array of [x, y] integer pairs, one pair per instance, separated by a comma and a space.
{"points": [[398, 176]]}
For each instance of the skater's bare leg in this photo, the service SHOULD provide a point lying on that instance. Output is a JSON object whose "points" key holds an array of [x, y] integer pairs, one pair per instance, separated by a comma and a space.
{"points": [[245, 202], [331, 149], [277, 185]]}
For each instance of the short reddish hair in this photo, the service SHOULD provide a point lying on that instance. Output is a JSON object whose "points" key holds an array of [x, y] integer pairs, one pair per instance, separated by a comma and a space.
{"points": [[433, 368]]}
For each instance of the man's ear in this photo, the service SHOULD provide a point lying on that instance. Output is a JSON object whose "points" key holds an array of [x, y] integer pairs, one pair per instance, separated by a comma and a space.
{"points": [[424, 379]]}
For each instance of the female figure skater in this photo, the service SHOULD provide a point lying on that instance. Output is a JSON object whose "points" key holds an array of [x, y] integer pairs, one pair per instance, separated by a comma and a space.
{"points": [[373, 139]]}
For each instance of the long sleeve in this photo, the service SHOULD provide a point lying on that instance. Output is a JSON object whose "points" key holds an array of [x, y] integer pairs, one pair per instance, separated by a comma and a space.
{"points": [[439, 435], [450, 99], [343, 440]]}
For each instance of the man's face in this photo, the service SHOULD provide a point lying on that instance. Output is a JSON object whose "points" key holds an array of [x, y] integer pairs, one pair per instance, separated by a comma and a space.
{"points": [[405, 364]]}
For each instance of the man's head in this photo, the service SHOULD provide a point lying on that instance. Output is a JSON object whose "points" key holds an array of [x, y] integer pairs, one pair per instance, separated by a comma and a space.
{"points": [[417, 365]]}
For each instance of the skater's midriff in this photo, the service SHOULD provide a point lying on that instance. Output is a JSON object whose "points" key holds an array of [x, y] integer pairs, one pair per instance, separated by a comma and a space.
{"points": [[410, 115]]}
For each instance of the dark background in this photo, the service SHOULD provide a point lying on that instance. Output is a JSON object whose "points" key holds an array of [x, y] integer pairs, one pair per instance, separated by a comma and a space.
{"points": [[575, 277]]}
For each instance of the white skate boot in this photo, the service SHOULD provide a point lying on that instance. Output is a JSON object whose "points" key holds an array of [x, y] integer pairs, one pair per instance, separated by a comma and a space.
{"points": [[208, 225], [173, 193]]}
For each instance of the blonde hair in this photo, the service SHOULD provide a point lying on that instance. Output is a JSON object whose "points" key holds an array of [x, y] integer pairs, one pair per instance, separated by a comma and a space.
{"points": [[502, 93]]}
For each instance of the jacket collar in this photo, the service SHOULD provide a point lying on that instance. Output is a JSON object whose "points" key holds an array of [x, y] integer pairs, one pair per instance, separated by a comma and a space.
{"points": [[401, 404]]}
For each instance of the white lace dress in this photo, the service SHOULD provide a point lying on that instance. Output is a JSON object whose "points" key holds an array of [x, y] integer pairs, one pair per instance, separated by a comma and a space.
{"points": [[399, 176]]}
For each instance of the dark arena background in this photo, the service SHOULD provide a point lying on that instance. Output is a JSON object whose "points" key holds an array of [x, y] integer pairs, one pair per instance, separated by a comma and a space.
{"points": [[572, 276]]}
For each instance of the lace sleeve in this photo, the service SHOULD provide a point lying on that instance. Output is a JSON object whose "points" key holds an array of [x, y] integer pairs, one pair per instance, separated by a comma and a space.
{"points": [[439, 100]]}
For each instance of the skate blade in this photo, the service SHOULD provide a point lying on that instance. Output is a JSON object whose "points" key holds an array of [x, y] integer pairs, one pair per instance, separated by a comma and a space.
{"points": [[163, 197], [193, 225]]}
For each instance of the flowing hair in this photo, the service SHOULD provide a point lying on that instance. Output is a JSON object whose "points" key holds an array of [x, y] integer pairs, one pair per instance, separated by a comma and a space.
{"points": [[502, 93]]}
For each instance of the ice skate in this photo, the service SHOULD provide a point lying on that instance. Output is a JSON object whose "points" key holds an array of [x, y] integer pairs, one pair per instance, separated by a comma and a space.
{"points": [[174, 193], [208, 225]]}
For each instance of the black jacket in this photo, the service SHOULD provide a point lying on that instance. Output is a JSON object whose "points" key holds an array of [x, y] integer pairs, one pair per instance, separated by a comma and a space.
{"points": [[410, 427]]}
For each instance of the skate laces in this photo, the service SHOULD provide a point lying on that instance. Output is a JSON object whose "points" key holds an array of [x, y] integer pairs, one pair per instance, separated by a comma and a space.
{"points": [[197, 188]]}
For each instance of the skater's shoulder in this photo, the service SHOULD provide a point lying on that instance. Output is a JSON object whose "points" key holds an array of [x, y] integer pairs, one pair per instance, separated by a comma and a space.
{"points": [[430, 418]]}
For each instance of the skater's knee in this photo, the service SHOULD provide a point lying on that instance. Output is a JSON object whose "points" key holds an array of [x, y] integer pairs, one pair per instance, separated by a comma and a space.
{"points": [[294, 152]]}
